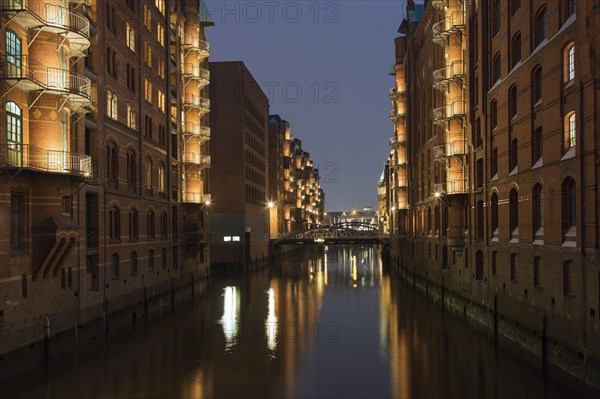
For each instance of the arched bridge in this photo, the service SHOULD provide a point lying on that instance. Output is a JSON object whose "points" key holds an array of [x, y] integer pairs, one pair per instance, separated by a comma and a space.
{"points": [[340, 233]]}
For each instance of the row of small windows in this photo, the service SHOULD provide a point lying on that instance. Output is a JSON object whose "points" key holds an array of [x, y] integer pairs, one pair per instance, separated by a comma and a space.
{"points": [[115, 264], [515, 57], [540, 22], [112, 171], [114, 225]]}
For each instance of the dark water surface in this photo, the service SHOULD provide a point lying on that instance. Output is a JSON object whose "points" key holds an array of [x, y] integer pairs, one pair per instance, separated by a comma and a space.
{"points": [[329, 324]]}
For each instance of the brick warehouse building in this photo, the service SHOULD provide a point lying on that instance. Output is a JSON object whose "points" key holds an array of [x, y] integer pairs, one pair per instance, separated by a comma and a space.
{"points": [[103, 159], [494, 193]]}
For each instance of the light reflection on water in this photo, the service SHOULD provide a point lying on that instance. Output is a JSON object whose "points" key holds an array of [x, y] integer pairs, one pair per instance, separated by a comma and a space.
{"points": [[319, 324]]}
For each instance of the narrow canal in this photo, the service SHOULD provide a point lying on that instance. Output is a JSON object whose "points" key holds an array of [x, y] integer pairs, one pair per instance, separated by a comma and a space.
{"points": [[333, 323]]}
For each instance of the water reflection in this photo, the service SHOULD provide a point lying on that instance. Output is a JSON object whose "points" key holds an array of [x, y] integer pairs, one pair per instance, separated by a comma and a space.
{"points": [[319, 324], [229, 321]]}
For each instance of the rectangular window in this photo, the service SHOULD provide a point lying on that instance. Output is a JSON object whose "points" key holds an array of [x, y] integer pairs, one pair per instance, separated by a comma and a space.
{"points": [[147, 18], [17, 222], [161, 101], [160, 34], [148, 54], [227, 239]]}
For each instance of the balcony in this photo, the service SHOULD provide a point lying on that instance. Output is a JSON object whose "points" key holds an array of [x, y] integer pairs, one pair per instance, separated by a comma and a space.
{"points": [[453, 110], [395, 114], [455, 72], [194, 43], [19, 74], [193, 101], [451, 187], [196, 198], [453, 24], [196, 130], [439, 4], [36, 16], [25, 156], [450, 149], [193, 158], [196, 73]]}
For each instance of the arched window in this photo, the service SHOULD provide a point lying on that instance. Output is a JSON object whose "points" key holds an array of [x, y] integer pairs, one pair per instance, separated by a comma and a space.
{"points": [[131, 170], [537, 209], [148, 173], [151, 225], [515, 52], [570, 130], [112, 105], [536, 84], [112, 162], [164, 258], [133, 263], [479, 217], [115, 267], [513, 201], [164, 225], [513, 154], [569, 63], [13, 55], [568, 8], [479, 266], [496, 68], [151, 260], [161, 178], [134, 224], [437, 220], [495, 17], [569, 209], [494, 215], [512, 101], [65, 205], [14, 134], [114, 223], [540, 27]]}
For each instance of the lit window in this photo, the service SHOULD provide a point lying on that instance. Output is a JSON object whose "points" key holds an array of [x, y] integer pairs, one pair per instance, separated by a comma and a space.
{"points": [[112, 102], [149, 174], [570, 130], [161, 68], [227, 239], [148, 54], [160, 4], [569, 63], [161, 101], [148, 91], [160, 34], [147, 18], [131, 117], [130, 37], [236, 238], [161, 178]]}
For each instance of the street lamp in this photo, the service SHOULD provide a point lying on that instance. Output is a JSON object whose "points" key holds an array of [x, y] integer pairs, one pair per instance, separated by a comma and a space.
{"points": [[270, 204]]}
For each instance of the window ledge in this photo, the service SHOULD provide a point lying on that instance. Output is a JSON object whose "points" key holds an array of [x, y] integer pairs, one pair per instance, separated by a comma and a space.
{"points": [[515, 171], [539, 163], [495, 177], [569, 84], [538, 103], [569, 154]]}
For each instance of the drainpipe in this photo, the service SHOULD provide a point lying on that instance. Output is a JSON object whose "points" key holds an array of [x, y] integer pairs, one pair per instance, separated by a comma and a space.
{"points": [[581, 145]]}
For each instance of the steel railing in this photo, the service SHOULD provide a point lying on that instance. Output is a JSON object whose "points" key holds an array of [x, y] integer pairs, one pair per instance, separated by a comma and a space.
{"points": [[195, 42], [53, 161]]}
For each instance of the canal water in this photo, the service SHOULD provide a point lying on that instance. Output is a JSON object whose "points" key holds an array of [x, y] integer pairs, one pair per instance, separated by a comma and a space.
{"points": [[321, 323]]}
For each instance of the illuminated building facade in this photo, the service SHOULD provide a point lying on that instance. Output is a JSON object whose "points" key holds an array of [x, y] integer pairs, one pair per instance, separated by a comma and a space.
{"points": [[296, 192], [495, 111], [97, 168], [383, 200]]}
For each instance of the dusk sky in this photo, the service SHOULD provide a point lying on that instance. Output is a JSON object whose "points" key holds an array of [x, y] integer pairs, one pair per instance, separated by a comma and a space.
{"points": [[324, 66]]}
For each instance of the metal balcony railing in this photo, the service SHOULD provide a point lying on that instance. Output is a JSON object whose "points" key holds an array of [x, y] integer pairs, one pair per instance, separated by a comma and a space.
{"points": [[196, 72], [196, 159], [450, 149], [196, 130], [458, 186], [455, 72], [452, 24], [196, 101], [453, 109], [196, 198], [395, 114], [195, 43], [29, 77], [26, 156]]}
